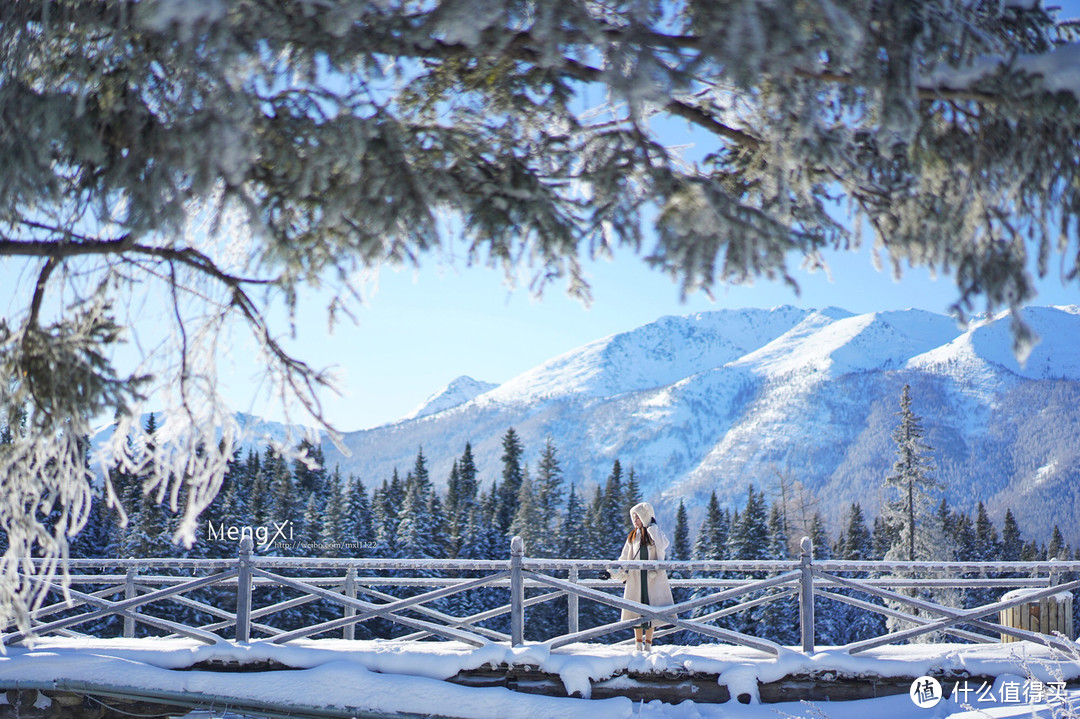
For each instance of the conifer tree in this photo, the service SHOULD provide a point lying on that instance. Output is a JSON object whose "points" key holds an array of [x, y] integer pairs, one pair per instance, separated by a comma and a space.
{"points": [[819, 537], [415, 526], [680, 546], [1012, 543], [437, 514], [468, 485], [93, 540], [386, 502], [332, 532], [527, 522], [548, 489], [987, 544], [778, 539], [309, 530], [231, 508], [358, 524], [1055, 548], [632, 490], [286, 506], [857, 543], [149, 534], [1032, 552], [963, 538], [848, 623], [777, 620], [986, 548], [259, 498], [482, 539], [511, 480], [614, 514], [749, 537], [885, 535], [598, 538], [573, 531], [712, 537], [455, 518], [910, 477]]}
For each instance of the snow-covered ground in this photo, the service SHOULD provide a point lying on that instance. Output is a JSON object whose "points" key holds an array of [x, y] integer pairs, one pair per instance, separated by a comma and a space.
{"points": [[389, 677]]}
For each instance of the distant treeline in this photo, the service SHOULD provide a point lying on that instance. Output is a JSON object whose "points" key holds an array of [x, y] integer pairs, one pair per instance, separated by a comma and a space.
{"points": [[302, 508]]}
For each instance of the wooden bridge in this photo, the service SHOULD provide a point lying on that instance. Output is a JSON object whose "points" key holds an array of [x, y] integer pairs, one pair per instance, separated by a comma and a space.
{"points": [[247, 601]]}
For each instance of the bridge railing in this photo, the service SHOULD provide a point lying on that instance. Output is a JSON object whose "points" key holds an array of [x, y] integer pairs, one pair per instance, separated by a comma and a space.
{"points": [[282, 599]]}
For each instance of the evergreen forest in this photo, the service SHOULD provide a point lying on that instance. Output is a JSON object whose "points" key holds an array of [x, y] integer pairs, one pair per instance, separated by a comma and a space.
{"points": [[301, 508]]}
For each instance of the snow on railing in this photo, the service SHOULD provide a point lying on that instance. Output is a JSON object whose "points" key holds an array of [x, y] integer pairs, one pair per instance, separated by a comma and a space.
{"points": [[214, 600]]}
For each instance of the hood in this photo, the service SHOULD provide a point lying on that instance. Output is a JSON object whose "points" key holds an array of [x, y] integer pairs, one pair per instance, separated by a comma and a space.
{"points": [[644, 511]]}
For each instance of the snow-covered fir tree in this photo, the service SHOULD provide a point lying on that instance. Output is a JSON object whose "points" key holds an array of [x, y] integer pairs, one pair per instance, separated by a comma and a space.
{"points": [[549, 500], [631, 490], [680, 543], [749, 535], [512, 474], [777, 620], [528, 520], [712, 537], [416, 527], [911, 509], [358, 524], [573, 529], [1012, 543]]}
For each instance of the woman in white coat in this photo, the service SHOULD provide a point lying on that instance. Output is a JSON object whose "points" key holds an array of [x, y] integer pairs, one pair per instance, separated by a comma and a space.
{"points": [[647, 586]]}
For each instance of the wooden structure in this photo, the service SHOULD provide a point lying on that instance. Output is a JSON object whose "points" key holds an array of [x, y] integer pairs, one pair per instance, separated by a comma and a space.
{"points": [[1050, 615], [243, 599]]}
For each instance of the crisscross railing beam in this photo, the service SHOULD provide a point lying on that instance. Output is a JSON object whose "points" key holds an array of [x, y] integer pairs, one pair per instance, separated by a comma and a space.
{"points": [[665, 614], [951, 616], [727, 611], [369, 610], [124, 608], [470, 621], [897, 614]]}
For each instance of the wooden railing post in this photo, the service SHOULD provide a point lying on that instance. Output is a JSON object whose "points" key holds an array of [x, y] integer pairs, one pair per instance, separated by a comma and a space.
{"points": [[350, 592], [572, 605], [517, 592], [129, 593], [806, 595], [243, 590]]}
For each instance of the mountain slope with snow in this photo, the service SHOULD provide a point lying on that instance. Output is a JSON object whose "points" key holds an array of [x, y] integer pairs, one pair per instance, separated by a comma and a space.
{"points": [[458, 392], [716, 401]]}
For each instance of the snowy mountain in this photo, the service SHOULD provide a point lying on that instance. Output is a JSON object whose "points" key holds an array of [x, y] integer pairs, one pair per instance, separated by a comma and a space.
{"points": [[255, 432], [716, 401], [459, 391]]}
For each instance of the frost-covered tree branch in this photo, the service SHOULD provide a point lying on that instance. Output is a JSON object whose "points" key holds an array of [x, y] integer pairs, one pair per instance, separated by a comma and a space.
{"points": [[206, 159]]}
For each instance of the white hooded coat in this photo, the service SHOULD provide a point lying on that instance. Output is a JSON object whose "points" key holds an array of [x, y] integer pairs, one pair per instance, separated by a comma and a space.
{"points": [[659, 589]]}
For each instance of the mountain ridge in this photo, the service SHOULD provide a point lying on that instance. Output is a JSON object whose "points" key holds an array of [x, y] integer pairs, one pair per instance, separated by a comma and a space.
{"points": [[715, 401]]}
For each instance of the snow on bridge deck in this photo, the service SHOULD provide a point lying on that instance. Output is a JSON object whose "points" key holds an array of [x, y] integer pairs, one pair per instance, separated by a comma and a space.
{"points": [[335, 677]]}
